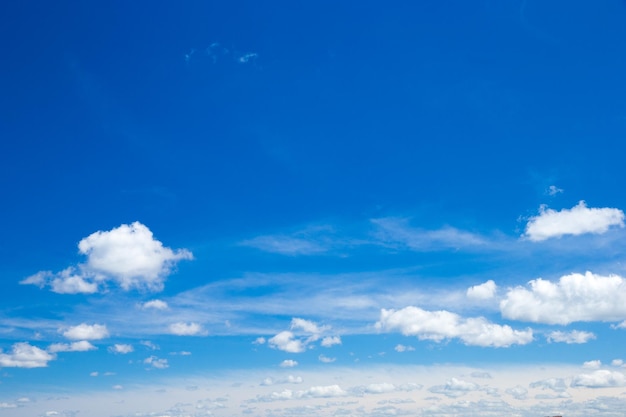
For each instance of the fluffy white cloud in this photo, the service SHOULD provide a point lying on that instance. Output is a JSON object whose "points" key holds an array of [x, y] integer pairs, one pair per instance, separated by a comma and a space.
{"points": [[307, 326], [86, 332], [554, 384], [617, 362], [186, 329], [121, 348], [454, 388], [80, 346], [440, 325], [326, 359], [484, 291], [599, 379], [596, 364], [287, 342], [155, 362], [575, 221], [155, 305], [24, 355], [325, 391], [288, 363], [574, 297], [128, 255], [329, 341], [402, 348], [575, 336], [518, 392]]}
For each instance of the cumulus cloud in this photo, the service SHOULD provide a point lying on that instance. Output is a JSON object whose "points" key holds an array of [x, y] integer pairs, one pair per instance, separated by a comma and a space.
{"points": [[326, 359], [484, 291], [80, 346], [574, 297], [301, 334], [573, 337], [599, 379], [287, 342], [86, 332], [322, 391], [288, 363], [454, 388], [440, 325], [155, 362], [554, 384], [120, 348], [186, 329], [128, 255], [402, 348], [329, 341], [155, 305], [24, 355], [595, 364], [518, 392], [575, 221]]}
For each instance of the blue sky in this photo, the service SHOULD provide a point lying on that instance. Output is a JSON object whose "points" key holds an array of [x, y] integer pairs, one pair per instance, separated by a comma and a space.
{"points": [[324, 208]]}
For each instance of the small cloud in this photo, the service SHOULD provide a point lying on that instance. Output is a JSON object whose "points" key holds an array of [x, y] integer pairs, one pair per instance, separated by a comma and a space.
{"points": [[121, 348], [554, 190], [599, 379], [326, 359], [155, 305], [246, 58], [484, 291], [186, 329], [149, 345], [259, 341], [518, 392], [454, 388], [286, 342], [288, 363], [81, 346], [329, 341], [94, 373], [155, 362], [117, 387], [86, 332], [592, 364], [573, 337], [617, 362], [575, 221], [403, 348]]}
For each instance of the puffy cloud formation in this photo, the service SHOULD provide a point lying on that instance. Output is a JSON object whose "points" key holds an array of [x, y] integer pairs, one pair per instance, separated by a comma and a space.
{"points": [[440, 325], [518, 392], [484, 291], [121, 348], [81, 346], [155, 362], [288, 363], [86, 332], [326, 359], [326, 391], [308, 332], [287, 342], [575, 221], [24, 355], [554, 384], [454, 388], [155, 305], [329, 341], [575, 336], [599, 379], [574, 297], [595, 364], [186, 329], [127, 255]]}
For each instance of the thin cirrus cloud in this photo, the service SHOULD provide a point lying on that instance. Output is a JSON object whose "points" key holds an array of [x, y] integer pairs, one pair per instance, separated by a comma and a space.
{"points": [[578, 220], [575, 297], [128, 256], [441, 325]]}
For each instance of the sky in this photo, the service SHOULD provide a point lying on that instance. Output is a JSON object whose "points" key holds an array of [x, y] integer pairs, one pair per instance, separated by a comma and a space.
{"points": [[324, 208]]}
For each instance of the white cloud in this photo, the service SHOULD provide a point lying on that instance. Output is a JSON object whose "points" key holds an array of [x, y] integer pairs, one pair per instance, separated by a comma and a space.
{"points": [[7, 405], [117, 387], [553, 190], [24, 355], [186, 329], [326, 359], [121, 348], [575, 221], [325, 391], [554, 384], [155, 362], [454, 388], [379, 388], [149, 345], [287, 342], [440, 325], [403, 348], [288, 363], [86, 332], [329, 341], [285, 245], [306, 326], [518, 392], [80, 346], [617, 362], [599, 379], [596, 364], [484, 291], [155, 305], [127, 255], [574, 297], [259, 341], [575, 336]]}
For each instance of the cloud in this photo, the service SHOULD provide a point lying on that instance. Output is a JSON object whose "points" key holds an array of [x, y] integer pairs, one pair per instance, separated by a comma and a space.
{"points": [[329, 341], [155, 362], [127, 255], [599, 379], [454, 388], [554, 384], [288, 363], [81, 346], [595, 364], [24, 355], [484, 291], [287, 342], [285, 245], [121, 349], [440, 325], [575, 221], [574, 297], [86, 332], [326, 359], [322, 391], [553, 190], [518, 392], [186, 329], [155, 305], [290, 379], [575, 336], [617, 362], [402, 348], [306, 326], [397, 231]]}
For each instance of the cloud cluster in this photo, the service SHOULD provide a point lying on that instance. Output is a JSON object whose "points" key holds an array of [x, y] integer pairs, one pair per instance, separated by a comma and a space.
{"points": [[599, 379], [484, 291], [128, 256], [80, 346], [440, 325], [575, 221], [301, 334], [575, 297]]}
